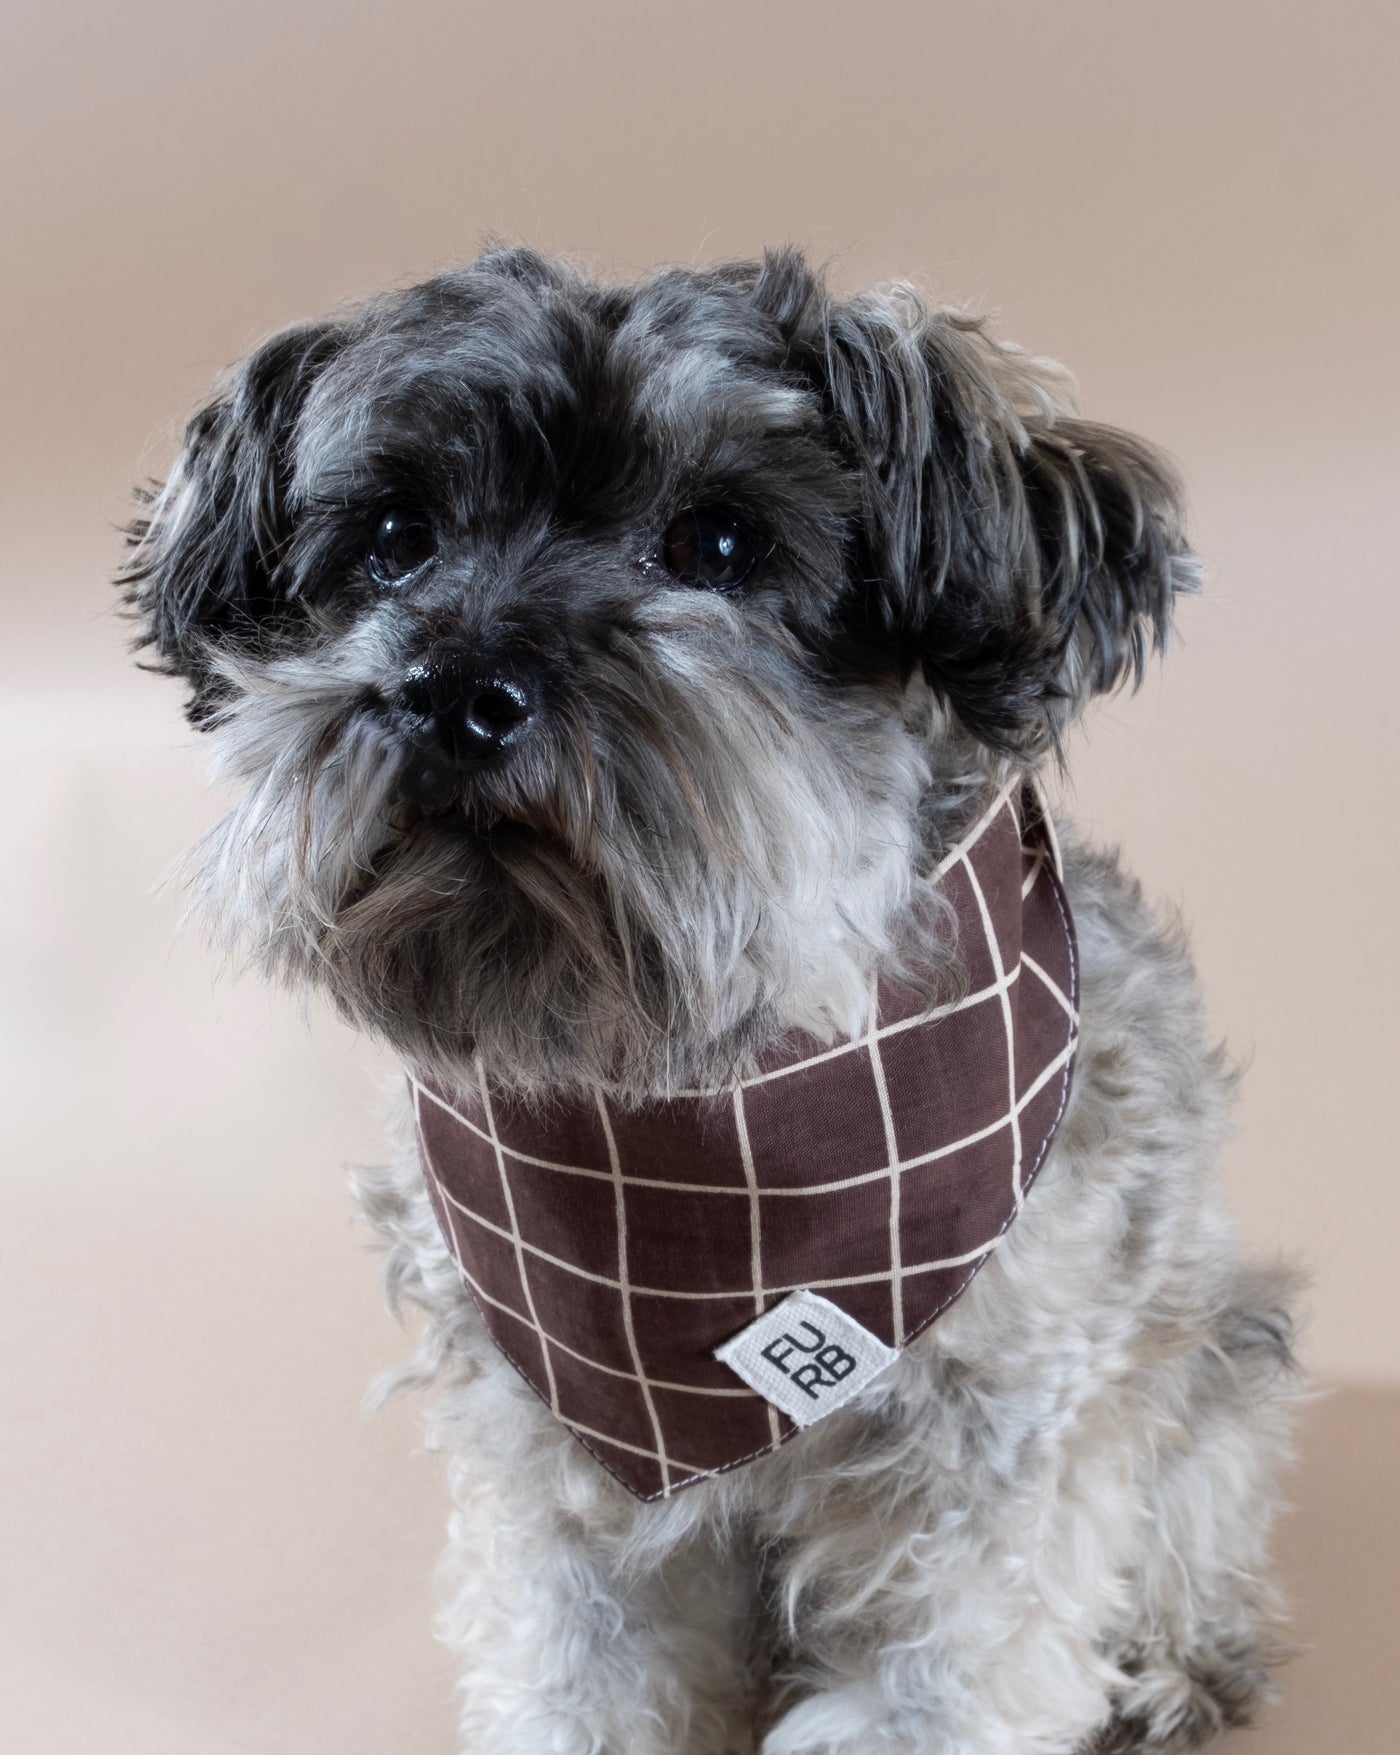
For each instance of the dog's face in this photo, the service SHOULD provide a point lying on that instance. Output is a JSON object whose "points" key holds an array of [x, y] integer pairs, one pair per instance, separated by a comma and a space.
{"points": [[602, 663]]}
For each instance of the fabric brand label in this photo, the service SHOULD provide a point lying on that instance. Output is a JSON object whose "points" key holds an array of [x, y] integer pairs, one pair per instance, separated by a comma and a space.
{"points": [[806, 1356]]}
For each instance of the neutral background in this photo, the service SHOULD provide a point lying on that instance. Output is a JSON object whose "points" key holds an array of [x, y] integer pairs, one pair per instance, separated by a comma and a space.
{"points": [[205, 1547]]}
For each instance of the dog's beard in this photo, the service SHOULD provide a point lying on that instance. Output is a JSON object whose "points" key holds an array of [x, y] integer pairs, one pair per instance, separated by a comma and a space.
{"points": [[702, 847]]}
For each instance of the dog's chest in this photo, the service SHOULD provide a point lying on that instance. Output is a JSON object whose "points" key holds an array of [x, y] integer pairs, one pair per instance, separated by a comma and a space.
{"points": [[690, 1283]]}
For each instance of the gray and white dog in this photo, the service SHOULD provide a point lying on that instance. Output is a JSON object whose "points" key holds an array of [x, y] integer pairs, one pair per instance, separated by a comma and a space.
{"points": [[605, 669]]}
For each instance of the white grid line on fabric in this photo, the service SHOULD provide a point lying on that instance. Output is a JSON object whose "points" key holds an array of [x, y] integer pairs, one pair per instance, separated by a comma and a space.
{"points": [[1048, 981], [1028, 883], [893, 1171], [741, 1129], [520, 1247], [479, 1291], [1009, 1022], [807, 1189], [695, 1471], [968, 841], [730, 1292], [625, 1288]]}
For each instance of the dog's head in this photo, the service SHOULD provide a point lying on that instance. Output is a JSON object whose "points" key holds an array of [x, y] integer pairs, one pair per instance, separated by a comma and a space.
{"points": [[603, 664]]}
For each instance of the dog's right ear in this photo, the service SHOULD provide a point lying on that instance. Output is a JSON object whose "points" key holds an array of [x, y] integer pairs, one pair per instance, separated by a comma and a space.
{"points": [[1024, 558], [204, 551]]}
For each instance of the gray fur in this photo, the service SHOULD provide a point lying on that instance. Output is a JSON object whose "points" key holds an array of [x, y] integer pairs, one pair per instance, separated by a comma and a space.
{"points": [[1043, 1530]]}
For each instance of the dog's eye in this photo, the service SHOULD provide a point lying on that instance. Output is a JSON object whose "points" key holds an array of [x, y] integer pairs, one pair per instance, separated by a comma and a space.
{"points": [[708, 546], [403, 542]]}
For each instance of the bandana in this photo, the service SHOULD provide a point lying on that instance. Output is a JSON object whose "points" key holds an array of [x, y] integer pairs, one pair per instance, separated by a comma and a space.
{"points": [[690, 1282]]}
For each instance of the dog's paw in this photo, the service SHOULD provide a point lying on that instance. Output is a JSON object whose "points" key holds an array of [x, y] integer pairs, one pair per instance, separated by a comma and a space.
{"points": [[851, 1720], [1168, 1710]]}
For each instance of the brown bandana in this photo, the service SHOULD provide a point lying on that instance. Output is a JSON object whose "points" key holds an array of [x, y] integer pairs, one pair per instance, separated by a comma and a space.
{"points": [[804, 1222]]}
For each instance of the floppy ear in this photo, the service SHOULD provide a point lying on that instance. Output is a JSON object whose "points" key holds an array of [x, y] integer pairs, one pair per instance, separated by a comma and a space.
{"points": [[1027, 558], [204, 552]]}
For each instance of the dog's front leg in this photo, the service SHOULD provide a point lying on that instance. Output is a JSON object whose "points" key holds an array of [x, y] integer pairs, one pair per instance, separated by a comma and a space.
{"points": [[574, 1645], [953, 1615]]}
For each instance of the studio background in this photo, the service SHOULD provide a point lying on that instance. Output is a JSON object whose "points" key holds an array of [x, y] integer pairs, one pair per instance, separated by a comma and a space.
{"points": [[206, 1548]]}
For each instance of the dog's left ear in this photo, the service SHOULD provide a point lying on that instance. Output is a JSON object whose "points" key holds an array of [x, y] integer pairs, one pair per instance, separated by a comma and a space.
{"points": [[1027, 558], [202, 570]]}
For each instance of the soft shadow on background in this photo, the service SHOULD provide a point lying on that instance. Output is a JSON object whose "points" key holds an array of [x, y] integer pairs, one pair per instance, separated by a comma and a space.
{"points": [[205, 1547]]}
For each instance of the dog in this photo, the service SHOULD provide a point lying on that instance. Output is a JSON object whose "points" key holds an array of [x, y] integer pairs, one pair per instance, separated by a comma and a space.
{"points": [[638, 695]]}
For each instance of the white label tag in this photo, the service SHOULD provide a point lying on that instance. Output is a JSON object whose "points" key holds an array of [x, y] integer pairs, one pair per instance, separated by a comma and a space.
{"points": [[806, 1356]]}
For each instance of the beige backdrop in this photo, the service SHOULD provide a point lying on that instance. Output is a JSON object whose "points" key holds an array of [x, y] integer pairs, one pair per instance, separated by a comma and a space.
{"points": [[1194, 205]]}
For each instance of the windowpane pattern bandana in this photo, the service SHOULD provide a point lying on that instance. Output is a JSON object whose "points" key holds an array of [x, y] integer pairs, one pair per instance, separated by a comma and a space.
{"points": [[805, 1222]]}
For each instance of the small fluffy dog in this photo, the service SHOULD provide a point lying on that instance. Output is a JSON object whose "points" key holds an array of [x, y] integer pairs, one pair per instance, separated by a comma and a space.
{"points": [[637, 694]]}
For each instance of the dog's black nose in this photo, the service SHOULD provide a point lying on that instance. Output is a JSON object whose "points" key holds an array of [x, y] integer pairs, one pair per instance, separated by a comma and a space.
{"points": [[474, 712]]}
